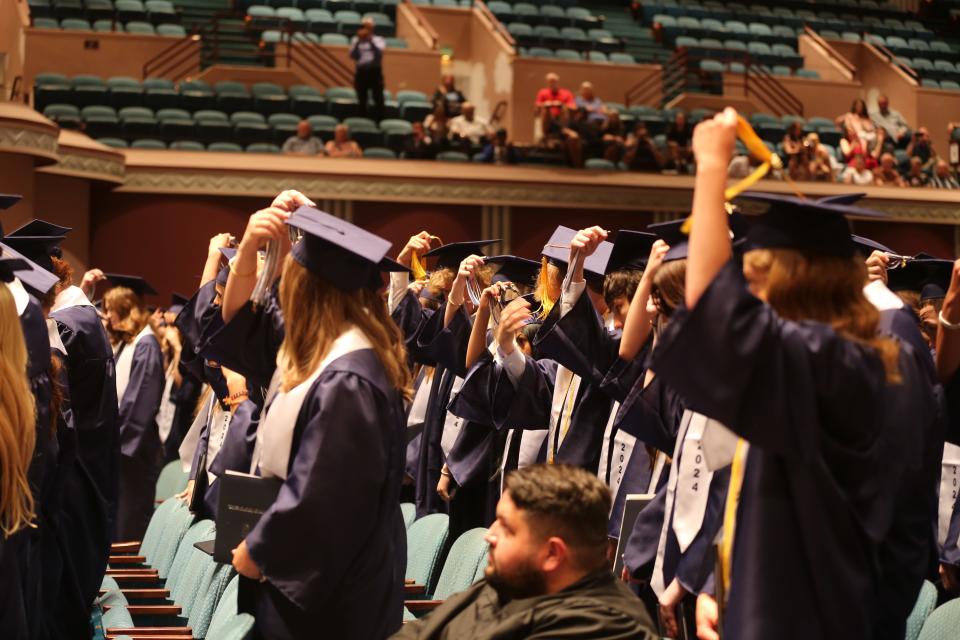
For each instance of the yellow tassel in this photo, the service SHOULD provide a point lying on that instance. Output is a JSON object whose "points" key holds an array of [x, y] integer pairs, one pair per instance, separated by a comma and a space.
{"points": [[759, 150], [543, 289], [417, 265]]}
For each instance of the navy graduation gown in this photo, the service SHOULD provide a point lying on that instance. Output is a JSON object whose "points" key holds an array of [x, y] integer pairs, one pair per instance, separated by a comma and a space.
{"points": [[410, 316], [333, 545], [815, 501], [93, 399], [140, 446]]}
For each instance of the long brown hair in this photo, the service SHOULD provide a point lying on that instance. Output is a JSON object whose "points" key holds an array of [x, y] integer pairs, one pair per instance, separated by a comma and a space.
{"points": [[17, 422], [131, 310], [316, 313], [825, 289]]}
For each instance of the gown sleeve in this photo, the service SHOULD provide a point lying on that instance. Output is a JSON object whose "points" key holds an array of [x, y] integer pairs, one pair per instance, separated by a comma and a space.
{"points": [[236, 452], [410, 316], [446, 345], [524, 404], [338, 471], [250, 342], [622, 375], [141, 400], [199, 319]]}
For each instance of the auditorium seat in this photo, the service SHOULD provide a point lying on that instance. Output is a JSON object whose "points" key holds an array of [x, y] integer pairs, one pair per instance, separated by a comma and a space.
{"points": [[160, 93], [187, 145], [124, 91], [262, 147], [381, 153], [137, 121], [600, 164], [943, 622], [230, 147], [100, 121], [409, 511], [453, 156], [66, 116], [148, 143], [426, 538], [467, 555], [269, 97]]}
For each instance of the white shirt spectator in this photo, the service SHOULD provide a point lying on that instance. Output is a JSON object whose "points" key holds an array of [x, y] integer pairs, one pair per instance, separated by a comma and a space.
{"points": [[474, 130]]}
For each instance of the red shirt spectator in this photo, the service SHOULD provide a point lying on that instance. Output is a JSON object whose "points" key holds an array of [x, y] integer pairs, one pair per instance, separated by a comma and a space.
{"points": [[553, 98]]}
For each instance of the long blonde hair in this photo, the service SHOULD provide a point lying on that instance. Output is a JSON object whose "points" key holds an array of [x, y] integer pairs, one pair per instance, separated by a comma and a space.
{"points": [[825, 289], [17, 422], [316, 313], [131, 310]]}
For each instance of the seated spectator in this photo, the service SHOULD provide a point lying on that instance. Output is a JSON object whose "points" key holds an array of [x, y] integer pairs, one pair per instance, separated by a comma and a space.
{"points": [[857, 173], [594, 106], [793, 140], [437, 126], [548, 575], [895, 128], [851, 146], [798, 165], [916, 176], [868, 132], [886, 173], [943, 177], [304, 143], [583, 137], [922, 147], [419, 146], [741, 165], [467, 127], [823, 163], [640, 151], [499, 151], [551, 105], [342, 146], [613, 136], [679, 134], [448, 94]]}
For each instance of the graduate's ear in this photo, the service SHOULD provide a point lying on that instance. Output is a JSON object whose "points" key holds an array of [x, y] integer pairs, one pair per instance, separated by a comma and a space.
{"points": [[556, 554]]}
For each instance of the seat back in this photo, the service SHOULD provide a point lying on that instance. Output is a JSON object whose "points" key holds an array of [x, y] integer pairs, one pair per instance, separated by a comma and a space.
{"points": [[158, 522], [426, 538], [226, 623], [466, 555], [926, 603], [202, 530], [172, 481], [409, 511]]}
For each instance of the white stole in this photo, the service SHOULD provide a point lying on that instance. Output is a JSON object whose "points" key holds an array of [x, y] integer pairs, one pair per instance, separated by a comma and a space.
{"points": [[949, 483], [418, 408], [565, 390], [604, 471], [167, 408], [124, 357], [275, 436], [20, 296], [531, 442], [451, 424], [72, 296], [192, 438], [53, 336]]}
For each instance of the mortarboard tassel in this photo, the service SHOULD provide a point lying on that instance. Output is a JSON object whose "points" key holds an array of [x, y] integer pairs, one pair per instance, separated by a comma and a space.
{"points": [[416, 264], [543, 289]]}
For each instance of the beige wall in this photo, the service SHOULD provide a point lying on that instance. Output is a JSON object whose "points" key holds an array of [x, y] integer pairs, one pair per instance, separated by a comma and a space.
{"points": [[822, 98], [611, 82], [417, 37], [67, 52], [13, 19], [822, 60], [491, 75], [935, 108]]}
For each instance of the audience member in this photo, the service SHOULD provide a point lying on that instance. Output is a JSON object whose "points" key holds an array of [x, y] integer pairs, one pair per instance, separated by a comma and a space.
{"points": [[366, 49], [680, 132], [852, 146], [866, 130], [583, 137], [895, 128], [857, 173], [886, 174], [793, 141], [437, 125], [499, 150], [419, 146], [551, 105], [594, 106], [342, 146], [468, 127], [798, 164], [640, 151], [304, 143], [823, 163], [448, 94], [614, 135], [922, 147], [548, 574], [916, 176], [942, 177]]}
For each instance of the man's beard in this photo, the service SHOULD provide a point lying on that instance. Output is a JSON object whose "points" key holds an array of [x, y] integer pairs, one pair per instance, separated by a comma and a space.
{"points": [[523, 582]]}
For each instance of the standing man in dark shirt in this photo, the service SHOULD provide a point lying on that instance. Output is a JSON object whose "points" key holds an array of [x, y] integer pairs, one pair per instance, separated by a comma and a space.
{"points": [[366, 49], [548, 575]]}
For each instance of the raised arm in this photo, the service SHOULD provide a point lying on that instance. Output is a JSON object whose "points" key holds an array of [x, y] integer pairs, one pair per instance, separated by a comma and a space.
{"points": [[212, 265], [710, 248], [948, 337], [636, 327], [468, 268], [478, 333]]}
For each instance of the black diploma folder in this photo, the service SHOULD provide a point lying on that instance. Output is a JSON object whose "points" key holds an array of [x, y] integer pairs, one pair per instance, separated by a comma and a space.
{"points": [[243, 499]]}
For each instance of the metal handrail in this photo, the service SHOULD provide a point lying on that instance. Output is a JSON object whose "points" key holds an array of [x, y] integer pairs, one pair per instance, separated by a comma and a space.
{"points": [[16, 88], [315, 60], [422, 22], [494, 21], [892, 58], [498, 112], [834, 54]]}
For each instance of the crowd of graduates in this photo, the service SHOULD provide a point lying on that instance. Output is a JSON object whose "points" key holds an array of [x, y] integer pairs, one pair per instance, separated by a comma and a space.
{"points": [[780, 391]]}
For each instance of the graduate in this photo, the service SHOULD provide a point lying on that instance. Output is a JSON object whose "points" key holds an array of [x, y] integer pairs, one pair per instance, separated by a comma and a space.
{"points": [[140, 381], [18, 433], [804, 379], [329, 555]]}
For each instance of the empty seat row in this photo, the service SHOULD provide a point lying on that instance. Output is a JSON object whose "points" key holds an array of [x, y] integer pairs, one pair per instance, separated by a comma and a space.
{"points": [[569, 37], [388, 7], [154, 11], [932, 69], [615, 57], [737, 50], [103, 25], [273, 36], [317, 20], [544, 15], [674, 28]]}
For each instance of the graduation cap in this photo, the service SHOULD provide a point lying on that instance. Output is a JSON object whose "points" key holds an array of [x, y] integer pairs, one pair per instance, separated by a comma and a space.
{"points": [[135, 283], [514, 269], [228, 252], [9, 268], [450, 255], [7, 200], [40, 228], [177, 301], [39, 249], [630, 252], [557, 251], [32, 275], [843, 198], [810, 226], [929, 276], [672, 233], [866, 246], [342, 253]]}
